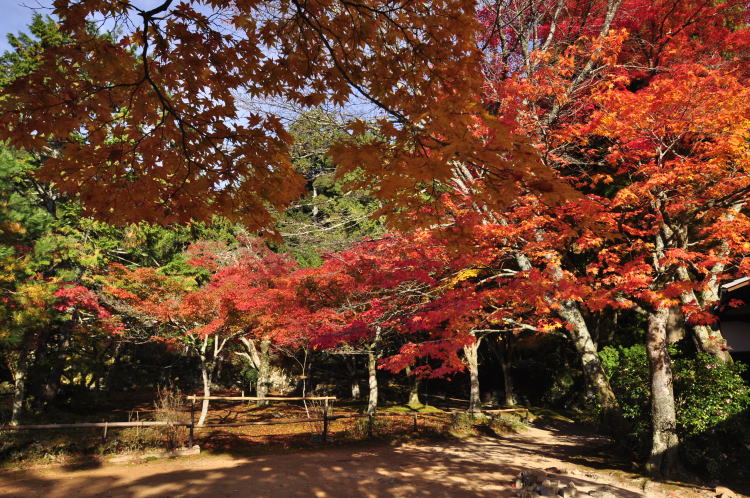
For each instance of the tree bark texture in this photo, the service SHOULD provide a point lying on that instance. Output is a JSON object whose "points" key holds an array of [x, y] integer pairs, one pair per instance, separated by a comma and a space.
{"points": [[471, 353], [663, 460]]}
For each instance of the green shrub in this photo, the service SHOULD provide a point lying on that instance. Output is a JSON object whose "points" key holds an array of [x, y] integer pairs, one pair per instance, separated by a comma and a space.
{"points": [[463, 423], [712, 402], [506, 423], [380, 426]]}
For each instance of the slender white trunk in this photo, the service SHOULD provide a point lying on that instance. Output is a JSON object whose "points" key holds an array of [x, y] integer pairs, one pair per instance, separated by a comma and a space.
{"points": [[372, 382], [471, 353], [372, 373], [206, 377]]}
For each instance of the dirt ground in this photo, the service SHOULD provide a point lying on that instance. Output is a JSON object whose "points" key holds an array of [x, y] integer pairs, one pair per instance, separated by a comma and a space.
{"points": [[481, 466]]}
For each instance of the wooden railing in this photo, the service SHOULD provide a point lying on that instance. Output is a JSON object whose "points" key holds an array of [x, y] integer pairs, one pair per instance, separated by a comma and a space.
{"points": [[325, 399], [326, 419]]}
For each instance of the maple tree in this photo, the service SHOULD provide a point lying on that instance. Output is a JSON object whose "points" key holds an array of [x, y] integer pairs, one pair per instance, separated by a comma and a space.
{"points": [[407, 303], [241, 302], [639, 116], [149, 113]]}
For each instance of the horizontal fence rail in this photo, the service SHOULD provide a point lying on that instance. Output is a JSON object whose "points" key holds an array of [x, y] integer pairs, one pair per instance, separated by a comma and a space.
{"points": [[326, 419], [85, 425], [255, 398]]}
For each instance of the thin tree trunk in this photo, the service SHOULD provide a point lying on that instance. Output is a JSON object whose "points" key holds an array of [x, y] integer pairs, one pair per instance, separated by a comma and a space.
{"points": [[510, 395], [707, 339], [593, 371], [414, 401], [503, 352], [351, 366], [372, 382], [263, 371], [206, 369], [206, 377], [502, 349], [471, 352], [372, 373], [112, 367], [592, 365], [663, 460], [20, 375]]}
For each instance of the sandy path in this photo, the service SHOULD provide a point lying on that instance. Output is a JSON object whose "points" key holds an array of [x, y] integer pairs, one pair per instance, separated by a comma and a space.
{"points": [[481, 466]]}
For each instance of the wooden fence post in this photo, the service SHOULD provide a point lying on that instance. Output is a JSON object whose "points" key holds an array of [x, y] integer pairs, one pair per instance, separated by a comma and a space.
{"points": [[192, 423], [415, 422], [325, 421], [104, 437], [370, 421]]}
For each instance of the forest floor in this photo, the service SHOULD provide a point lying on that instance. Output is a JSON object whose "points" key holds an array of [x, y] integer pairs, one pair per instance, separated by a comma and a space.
{"points": [[484, 465]]}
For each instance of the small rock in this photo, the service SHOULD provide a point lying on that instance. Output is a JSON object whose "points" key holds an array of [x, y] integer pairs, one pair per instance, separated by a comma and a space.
{"points": [[724, 492], [526, 493], [553, 470], [548, 488], [569, 491], [531, 477], [602, 493]]}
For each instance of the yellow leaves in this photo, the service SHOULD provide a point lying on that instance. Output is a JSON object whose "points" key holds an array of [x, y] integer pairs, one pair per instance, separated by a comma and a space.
{"points": [[459, 277], [602, 178]]}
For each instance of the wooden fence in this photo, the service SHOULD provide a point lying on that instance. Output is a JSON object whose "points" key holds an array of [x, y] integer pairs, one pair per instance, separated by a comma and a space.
{"points": [[327, 418]]}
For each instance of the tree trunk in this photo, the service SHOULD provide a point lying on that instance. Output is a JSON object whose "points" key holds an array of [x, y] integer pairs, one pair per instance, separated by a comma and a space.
{"points": [[503, 350], [206, 377], [663, 461], [675, 325], [113, 367], [510, 395], [707, 339], [414, 401], [20, 376], [471, 352], [206, 371], [351, 366], [372, 382], [593, 371], [592, 365], [263, 371]]}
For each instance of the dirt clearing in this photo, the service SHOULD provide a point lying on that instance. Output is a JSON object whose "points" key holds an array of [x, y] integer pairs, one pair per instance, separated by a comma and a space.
{"points": [[482, 466]]}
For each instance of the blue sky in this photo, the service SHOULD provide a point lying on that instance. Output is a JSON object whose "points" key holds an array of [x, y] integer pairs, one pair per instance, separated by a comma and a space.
{"points": [[15, 15]]}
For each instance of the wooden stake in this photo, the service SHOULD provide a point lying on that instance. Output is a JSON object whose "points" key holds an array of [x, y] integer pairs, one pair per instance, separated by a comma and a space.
{"points": [[192, 424], [325, 421]]}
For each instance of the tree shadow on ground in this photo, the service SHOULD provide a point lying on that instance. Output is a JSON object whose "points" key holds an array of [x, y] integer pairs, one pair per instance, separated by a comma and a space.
{"points": [[480, 467]]}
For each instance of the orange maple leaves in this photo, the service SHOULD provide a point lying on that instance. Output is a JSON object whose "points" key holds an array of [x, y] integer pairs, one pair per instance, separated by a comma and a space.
{"points": [[150, 125]]}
